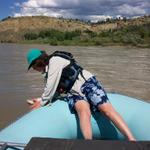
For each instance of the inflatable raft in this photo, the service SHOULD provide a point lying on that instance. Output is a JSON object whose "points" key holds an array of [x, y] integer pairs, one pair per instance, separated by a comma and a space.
{"points": [[56, 121]]}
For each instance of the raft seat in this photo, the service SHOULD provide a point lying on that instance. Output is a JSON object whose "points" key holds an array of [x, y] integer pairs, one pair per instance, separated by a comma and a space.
{"points": [[69, 144]]}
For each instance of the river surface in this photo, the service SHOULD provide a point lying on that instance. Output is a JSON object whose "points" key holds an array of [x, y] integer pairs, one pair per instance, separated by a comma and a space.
{"points": [[123, 70]]}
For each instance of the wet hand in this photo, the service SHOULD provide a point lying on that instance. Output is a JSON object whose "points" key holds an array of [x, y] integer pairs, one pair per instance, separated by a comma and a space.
{"points": [[34, 103]]}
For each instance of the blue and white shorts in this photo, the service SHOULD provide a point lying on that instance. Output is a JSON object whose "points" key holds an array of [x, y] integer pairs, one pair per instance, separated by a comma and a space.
{"points": [[93, 93]]}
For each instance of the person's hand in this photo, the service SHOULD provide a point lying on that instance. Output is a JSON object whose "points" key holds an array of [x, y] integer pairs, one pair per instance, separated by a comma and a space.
{"points": [[34, 103]]}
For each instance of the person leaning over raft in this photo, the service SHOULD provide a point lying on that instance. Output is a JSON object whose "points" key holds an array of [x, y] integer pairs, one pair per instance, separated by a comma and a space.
{"points": [[84, 92]]}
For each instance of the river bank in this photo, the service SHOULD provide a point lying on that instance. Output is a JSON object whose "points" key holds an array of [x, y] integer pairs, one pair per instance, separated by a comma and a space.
{"points": [[69, 32]]}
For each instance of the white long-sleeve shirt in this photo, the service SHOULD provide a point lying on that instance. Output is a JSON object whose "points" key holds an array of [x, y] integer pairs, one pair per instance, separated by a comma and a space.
{"points": [[54, 69]]}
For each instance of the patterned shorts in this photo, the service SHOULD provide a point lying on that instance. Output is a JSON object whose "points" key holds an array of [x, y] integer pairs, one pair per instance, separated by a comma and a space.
{"points": [[93, 93]]}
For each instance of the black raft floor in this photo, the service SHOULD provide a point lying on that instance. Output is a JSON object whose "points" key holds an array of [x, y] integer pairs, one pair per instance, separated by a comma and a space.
{"points": [[64, 144]]}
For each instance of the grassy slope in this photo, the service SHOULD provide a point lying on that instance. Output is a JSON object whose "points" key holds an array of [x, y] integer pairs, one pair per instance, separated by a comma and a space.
{"points": [[134, 32]]}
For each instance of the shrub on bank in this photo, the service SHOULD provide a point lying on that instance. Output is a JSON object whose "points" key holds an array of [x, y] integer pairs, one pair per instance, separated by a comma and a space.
{"points": [[131, 35]]}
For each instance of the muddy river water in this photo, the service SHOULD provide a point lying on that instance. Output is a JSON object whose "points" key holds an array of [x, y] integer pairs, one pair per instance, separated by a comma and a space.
{"points": [[124, 70]]}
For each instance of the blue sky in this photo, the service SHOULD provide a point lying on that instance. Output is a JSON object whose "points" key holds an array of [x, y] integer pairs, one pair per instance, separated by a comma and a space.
{"points": [[82, 9], [4, 10], [6, 7]]}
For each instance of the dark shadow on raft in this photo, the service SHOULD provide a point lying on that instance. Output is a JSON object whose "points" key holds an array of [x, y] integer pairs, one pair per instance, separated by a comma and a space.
{"points": [[106, 129]]}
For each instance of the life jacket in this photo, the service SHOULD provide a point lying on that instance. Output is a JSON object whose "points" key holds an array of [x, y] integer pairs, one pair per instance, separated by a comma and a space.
{"points": [[69, 73]]}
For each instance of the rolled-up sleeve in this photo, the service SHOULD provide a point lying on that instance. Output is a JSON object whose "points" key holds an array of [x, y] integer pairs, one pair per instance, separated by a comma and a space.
{"points": [[56, 65]]}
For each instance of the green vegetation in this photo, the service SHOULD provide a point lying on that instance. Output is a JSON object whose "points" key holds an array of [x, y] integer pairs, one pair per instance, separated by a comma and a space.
{"points": [[53, 34], [134, 35], [131, 35], [53, 37], [61, 31]]}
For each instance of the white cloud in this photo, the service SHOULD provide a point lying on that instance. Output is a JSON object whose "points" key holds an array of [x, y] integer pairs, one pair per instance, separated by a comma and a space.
{"points": [[17, 4], [145, 4], [99, 18], [30, 4], [83, 9], [47, 3], [131, 10]]}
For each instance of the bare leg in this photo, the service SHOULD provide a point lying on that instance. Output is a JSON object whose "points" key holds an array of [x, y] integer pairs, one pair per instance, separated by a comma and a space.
{"points": [[115, 117], [83, 110]]}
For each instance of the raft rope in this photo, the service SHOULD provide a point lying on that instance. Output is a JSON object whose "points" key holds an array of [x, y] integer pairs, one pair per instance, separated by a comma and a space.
{"points": [[12, 145]]}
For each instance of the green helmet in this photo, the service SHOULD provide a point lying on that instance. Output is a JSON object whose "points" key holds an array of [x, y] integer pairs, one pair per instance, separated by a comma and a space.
{"points": [[32, 55]]}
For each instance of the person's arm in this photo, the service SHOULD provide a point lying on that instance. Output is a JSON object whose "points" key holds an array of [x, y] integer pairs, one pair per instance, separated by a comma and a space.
{"points": [[54, 74], [56, 66]]}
